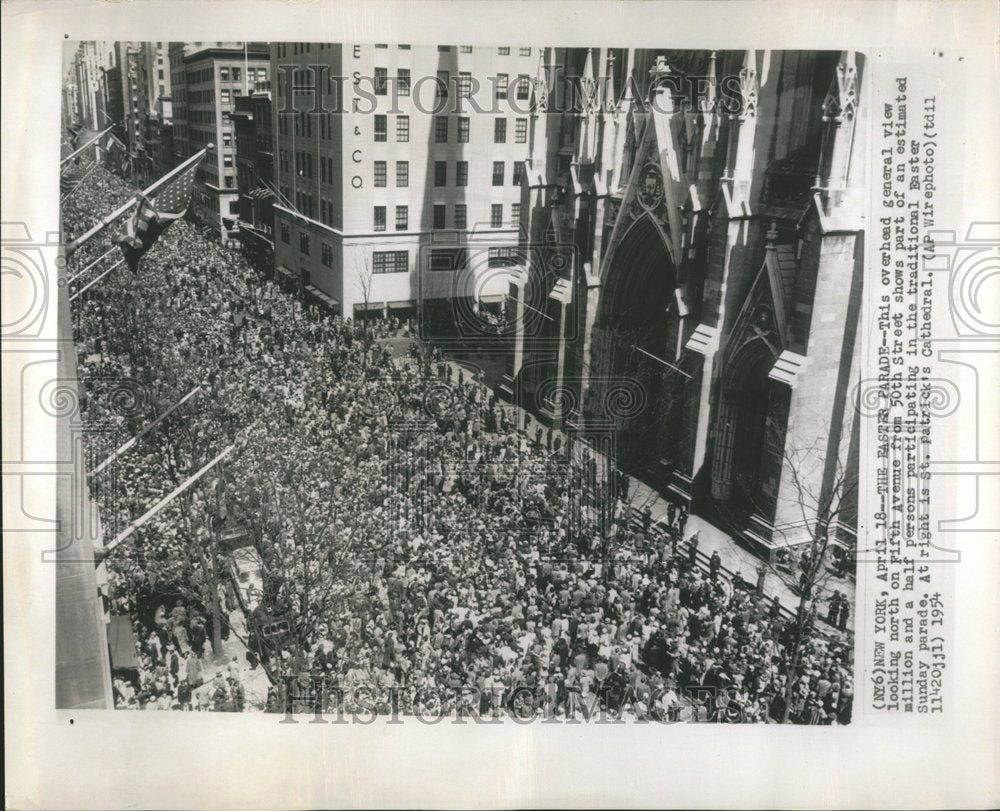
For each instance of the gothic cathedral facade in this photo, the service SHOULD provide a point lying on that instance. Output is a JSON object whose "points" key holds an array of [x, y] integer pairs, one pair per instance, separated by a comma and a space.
{"points": [[693, 235]]}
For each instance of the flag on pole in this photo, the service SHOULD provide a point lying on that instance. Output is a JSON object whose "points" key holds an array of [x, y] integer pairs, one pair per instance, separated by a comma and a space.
{"points": [[73, 177], [116, 155], [78, 135], [153, 215]]}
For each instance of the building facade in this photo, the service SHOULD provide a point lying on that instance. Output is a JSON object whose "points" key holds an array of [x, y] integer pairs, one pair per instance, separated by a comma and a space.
{"points": [[89, 63], [176, 52], [215, 75], [130, 122], [253, 128], [153, 108], [706, 212], [398, 173]]}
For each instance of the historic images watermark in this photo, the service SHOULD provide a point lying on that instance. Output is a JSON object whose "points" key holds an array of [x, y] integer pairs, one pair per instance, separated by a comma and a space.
{"points": [[313, 89], [315, 699]]}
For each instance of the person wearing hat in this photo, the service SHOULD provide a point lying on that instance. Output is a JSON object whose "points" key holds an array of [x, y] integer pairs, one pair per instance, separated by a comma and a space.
{"points": [[845, 611], [173, 663], [834, 611]]}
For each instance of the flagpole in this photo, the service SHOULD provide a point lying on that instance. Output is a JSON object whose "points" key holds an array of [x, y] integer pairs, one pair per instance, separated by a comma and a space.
{"points": [[98, 259], [145, 431], [661, 360], [162, 503], [95, 281], [284, 200], [124, 208], [76, 152]]}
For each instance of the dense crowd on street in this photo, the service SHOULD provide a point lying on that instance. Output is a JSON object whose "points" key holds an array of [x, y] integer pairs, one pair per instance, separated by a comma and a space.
{"points": [[420, 552]]}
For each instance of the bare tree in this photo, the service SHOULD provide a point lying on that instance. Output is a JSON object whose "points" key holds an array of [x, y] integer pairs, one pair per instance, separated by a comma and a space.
{"points": [[820, 502], [820, 508], [311, 560], [363, 277]]}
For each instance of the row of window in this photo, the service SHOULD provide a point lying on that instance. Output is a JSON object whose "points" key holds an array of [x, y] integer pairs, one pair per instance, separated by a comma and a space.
{"points": [[202, 117], [462, 173], [203, 76], [306, 204], [440, 173], [304, 81], [442, 126], [444, 259], [501, 83], [441, 259], [440, 216], [233, 74], [208, 96], [442, 130], [306, 47], [201, 96], [503, 50], [402, 128]]}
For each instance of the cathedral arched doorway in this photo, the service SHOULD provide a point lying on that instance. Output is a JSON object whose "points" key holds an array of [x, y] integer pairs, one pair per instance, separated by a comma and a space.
{"points": [[635, 337], [745, 434]]}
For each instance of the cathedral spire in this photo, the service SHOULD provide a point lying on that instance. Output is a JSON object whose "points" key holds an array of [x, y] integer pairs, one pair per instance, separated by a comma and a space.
{"points": [[609, 102], [707, 101], [749, 87], [742, 129], [540, 92], [588, 100], [589, 104], [838, 114]]}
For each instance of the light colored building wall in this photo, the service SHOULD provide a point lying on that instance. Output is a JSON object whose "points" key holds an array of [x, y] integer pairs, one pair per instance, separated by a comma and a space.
{"points": [[335, 186]]}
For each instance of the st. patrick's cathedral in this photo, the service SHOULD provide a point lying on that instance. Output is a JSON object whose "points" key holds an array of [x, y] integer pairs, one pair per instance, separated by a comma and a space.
{"points": [[692, 283]]}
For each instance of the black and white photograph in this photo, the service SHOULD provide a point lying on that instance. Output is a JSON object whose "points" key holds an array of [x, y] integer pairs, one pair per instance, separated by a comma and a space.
{"points": [[421, 380], [500, 404]]}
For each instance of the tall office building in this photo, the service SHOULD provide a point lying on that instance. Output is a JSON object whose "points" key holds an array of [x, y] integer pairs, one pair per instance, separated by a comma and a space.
{"points": [[154, 109], [398, 172], [132, 97], [253, 123], [206, 79], [92, 58]]}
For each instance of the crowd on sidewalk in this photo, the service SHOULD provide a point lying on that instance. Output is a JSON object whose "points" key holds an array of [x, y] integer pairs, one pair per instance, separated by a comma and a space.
{"points": [[415, 546]]}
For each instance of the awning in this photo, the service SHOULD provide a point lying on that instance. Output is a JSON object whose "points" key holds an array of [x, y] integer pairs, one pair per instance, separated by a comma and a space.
{"points": [[328, 300], [495, 299], [286, 272], [256, 233], [372, 306], [402, 305], [121, 641]]}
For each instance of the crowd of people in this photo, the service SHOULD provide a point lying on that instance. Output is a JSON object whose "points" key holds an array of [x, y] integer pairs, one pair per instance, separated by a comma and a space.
{"points": [[420, 552]]}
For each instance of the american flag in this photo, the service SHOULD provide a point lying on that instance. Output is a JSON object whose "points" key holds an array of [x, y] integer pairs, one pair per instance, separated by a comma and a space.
{"points": [[153, 215], [78, 135], [116, 155], [72, 177]]}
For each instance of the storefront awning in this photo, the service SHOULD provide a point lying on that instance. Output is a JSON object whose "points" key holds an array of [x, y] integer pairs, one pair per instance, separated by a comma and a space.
{"points": [[121, 640], [402, 305], [248, 229], [286, 272], [327, 299]]}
